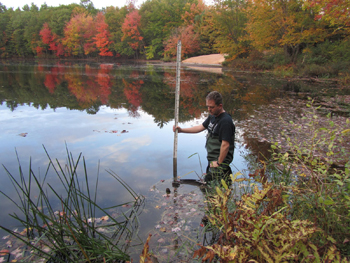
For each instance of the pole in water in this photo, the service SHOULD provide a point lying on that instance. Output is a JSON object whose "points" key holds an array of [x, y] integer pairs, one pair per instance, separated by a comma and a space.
{"points": [[177, 102]]}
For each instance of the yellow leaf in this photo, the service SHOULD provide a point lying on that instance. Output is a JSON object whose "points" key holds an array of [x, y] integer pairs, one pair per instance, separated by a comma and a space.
{"points": [[346, 131]]}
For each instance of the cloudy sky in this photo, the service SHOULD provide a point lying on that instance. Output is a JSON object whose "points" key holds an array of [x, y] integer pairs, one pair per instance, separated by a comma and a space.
{"points": [[97, 3]]}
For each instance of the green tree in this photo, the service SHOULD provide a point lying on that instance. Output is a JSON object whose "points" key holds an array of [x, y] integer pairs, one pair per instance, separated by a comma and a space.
{"points": [[114, 17], [158, 19], [5, 18], [19, 44], [229, 21]]}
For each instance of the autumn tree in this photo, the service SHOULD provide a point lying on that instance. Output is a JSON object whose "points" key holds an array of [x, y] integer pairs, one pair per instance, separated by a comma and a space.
{"points": [[285, 24], [131, 32], [189, 42], [79, 33], [192, 12], [102, 38], [336, 12]]}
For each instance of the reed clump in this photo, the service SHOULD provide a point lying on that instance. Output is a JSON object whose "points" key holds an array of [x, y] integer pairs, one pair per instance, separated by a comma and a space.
{"points": [[70, 226]]}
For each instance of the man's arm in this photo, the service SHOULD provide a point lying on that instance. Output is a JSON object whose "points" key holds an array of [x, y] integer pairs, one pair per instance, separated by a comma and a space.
{"points": [[194, 129], [225, 146]]}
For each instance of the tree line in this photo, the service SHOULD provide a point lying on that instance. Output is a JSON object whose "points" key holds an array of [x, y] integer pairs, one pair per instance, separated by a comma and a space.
{"points": [[313, 30]]}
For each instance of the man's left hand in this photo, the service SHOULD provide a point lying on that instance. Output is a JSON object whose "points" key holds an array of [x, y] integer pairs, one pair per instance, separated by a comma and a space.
{"points": [[214, 164]]}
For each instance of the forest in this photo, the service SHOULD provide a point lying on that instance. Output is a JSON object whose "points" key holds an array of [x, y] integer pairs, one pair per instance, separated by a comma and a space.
{"points": [[263, 34]]}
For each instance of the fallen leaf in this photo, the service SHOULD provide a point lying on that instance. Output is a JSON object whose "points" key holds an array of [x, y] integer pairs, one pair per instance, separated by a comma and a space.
{"points": [[157, 207], [16, 252], [105, 218], [124, 131], [176, 229], [6, 237], [162, 181], [161, 240], [4, 252], [163, 229]]}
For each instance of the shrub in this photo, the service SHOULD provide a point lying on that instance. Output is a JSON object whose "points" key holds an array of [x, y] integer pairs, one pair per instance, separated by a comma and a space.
{"points": [[318, 159], [259, 230], [314, 70]]}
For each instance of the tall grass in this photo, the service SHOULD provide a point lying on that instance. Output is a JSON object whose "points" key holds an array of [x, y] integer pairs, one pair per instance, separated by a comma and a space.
{"points": [[79, 229]]}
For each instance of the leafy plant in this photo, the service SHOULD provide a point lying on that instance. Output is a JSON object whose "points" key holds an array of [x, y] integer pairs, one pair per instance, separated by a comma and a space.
{"points": [[72, 231], [259, 230], [319, 162]]}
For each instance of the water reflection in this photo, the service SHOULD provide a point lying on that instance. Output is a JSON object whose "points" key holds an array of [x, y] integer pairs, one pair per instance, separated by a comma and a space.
{"points": [[88, 87]]}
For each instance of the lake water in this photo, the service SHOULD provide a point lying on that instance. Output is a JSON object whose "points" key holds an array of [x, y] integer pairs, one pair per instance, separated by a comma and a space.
{"points": [[121, 116]]}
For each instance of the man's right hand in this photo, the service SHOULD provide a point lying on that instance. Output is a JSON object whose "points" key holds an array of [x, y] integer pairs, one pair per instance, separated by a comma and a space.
{"points": [[177, 128]]}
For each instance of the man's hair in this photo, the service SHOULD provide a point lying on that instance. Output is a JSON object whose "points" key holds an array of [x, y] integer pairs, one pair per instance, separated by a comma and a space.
{"points": [[215, 96]]}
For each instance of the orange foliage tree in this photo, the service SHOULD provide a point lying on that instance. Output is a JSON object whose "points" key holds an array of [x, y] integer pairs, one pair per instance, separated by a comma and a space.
{"points": [[282, 24], [102, 39], [78, 35]]}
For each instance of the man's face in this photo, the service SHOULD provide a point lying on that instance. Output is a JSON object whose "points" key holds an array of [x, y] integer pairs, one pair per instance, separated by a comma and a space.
{"points": [[213, 108]]}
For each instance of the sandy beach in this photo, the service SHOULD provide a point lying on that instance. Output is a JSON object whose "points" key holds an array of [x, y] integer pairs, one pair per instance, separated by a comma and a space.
{"points": [[213, 59]]}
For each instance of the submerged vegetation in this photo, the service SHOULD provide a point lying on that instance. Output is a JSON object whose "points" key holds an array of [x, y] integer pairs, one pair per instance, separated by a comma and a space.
{"points": [[69, 226]]}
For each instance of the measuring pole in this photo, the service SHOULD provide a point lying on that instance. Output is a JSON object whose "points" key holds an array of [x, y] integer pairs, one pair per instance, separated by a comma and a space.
{"points": [[177, 102]]}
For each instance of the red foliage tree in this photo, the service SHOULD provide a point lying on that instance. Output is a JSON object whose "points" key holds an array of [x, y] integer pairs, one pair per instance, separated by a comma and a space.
{"points": [[189, 42], [102, 39], [130, 30], [50, 40]]}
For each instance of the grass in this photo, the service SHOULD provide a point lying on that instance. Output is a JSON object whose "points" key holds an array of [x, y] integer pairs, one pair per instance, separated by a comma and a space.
{"points": [[76, 230]]}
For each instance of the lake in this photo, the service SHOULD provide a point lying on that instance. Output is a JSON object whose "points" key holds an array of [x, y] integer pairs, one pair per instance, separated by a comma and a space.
{"points": [[120, 117]]}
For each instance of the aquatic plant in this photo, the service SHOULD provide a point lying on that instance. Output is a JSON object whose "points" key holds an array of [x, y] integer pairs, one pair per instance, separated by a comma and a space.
{"points": [[70, 226]]}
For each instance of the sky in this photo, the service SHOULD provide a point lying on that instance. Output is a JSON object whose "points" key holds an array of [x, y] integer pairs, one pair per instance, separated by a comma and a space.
{"points": [[97, 3]]}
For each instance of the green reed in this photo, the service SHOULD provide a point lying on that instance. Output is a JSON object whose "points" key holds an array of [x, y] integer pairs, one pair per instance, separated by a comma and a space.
{"points": [[63, 227]]}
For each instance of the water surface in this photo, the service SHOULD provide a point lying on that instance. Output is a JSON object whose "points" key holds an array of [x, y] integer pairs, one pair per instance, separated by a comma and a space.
{"points": [[120, 116]]}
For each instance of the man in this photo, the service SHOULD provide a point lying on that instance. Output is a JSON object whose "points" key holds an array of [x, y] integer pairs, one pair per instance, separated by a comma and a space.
{"points": [[220, 138]]}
